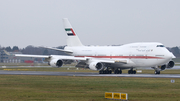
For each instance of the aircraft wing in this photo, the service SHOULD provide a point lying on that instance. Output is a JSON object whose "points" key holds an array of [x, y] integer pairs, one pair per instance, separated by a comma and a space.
{"points": [[123, 61], [72, 58], [84, 61]]}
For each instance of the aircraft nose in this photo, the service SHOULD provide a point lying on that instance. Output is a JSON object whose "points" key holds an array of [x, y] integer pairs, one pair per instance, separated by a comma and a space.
{"points": [[170, 55]]}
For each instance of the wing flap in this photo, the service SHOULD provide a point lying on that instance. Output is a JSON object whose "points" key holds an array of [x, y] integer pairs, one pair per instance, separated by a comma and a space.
{"points": [[68, 57]]}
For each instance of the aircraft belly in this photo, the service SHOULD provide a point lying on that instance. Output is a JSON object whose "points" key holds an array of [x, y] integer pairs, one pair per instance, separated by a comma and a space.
{"points": [[148, 62], [116, 65]]}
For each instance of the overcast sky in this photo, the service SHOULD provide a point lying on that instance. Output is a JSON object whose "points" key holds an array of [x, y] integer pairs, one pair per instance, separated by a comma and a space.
{"points": [[96, 22]]}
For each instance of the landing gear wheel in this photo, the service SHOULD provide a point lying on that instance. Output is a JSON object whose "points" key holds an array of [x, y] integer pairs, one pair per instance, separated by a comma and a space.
{"points": [[134, 72], [157, 72], [131, 72], [110, 72], [100, 72], [118, 71], [105, 72]]}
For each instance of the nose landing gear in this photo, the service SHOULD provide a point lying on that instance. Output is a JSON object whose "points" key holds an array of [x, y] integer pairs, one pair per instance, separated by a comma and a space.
{"points": [[156, 72]]}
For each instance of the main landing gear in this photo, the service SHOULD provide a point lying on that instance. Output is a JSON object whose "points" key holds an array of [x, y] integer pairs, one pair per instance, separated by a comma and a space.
{"points": [[131, 71], [105, 71], [117, 71]]}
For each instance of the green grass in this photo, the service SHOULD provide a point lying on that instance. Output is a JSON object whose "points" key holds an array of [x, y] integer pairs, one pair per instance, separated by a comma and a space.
{"points": [[63, 88], [67, 88]]}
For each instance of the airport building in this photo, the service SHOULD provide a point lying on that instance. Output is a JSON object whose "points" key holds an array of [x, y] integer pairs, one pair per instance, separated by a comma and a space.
{"points": [[9, 57]]}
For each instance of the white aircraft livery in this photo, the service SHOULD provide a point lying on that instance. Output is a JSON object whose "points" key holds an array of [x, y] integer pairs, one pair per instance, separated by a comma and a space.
{"points": [[108, 59]]}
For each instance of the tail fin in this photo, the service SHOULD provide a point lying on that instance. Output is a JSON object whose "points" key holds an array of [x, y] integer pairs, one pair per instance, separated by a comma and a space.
{"points": [[72, 38]]}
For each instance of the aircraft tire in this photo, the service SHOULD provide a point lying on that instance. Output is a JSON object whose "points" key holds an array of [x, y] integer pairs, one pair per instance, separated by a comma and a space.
{"points": [[116, 72], [110, 72], [134, 72], [157, 72], [100, 72], [120, 71], [129, 72], [104, 72]]}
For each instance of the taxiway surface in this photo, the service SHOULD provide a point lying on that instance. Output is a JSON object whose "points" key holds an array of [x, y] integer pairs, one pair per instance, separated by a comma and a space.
{"points": [[4, 72]]}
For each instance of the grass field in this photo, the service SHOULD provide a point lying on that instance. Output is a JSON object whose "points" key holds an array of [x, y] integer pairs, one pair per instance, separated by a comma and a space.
{"points": [[68, 88], [63, 88]]}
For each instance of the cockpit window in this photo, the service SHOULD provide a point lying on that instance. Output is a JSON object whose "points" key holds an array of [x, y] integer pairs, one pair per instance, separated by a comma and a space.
{"points": [[160, 45]]}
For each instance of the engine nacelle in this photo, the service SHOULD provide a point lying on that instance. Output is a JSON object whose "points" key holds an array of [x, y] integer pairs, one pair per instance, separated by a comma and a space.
{"points": [[163, 67], [96, 66], [170, 64], [56, 63]]}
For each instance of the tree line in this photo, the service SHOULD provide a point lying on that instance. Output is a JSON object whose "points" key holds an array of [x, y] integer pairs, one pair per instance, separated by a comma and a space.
{"points": [[43, 51], [34, 50]]}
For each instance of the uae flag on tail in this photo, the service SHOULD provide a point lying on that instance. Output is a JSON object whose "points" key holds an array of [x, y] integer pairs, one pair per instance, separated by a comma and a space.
{"points": [[70, 32]]}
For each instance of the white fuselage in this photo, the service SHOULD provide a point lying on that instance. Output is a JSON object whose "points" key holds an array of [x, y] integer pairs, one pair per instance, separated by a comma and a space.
{"points": [[135, 54]]}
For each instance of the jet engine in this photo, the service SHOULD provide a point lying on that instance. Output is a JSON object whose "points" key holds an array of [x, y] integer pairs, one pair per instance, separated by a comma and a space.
{"points": [[170, 64], [163, 67], [96, 66], [56, 63]]}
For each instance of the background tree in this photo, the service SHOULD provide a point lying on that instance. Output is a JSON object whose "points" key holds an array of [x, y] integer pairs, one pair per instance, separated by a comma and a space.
{"points": [[15, 49], [8, 49], [175, 51]]}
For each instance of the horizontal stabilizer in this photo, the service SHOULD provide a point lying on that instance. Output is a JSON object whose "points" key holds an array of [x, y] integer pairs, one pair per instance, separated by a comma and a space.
{"points": [[62, 50]]}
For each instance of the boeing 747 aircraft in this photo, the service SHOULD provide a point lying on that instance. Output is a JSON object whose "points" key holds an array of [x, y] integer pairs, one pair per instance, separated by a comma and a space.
{"points": [[108, 59]]}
